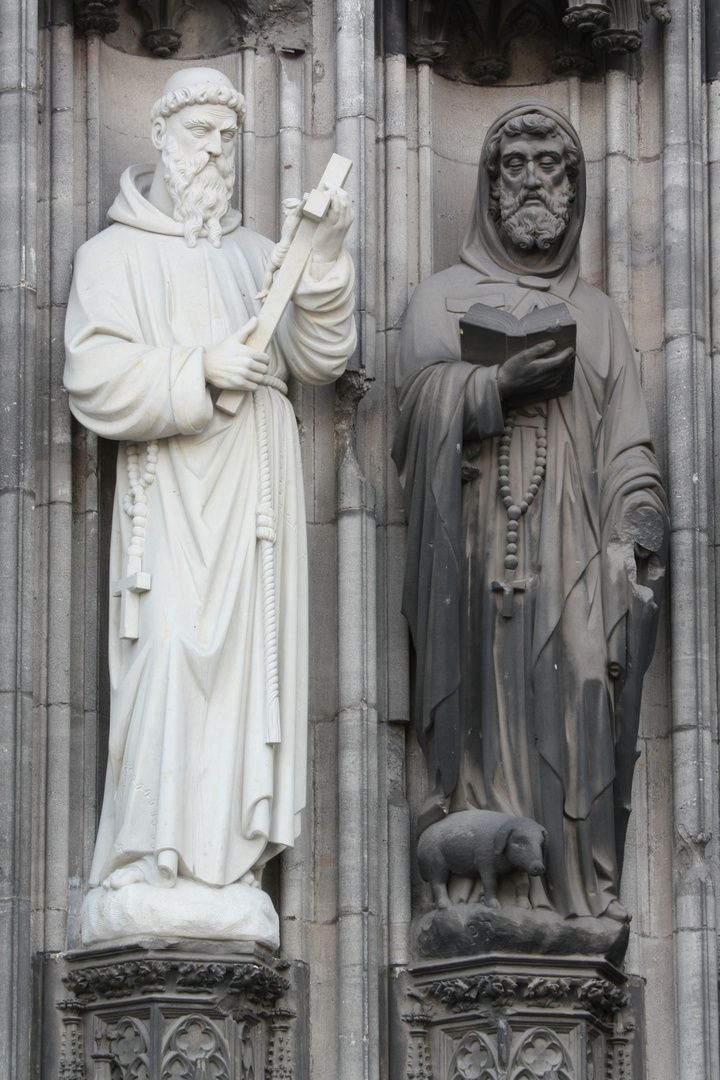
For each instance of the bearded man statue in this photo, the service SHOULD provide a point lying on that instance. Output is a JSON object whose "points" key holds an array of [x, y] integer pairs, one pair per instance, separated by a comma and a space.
{"points": [[530, 710], [202, 789]]}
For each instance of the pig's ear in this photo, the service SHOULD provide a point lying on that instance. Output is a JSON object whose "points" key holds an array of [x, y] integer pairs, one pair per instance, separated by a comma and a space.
{"points": [[502, 836], [544, 843]]}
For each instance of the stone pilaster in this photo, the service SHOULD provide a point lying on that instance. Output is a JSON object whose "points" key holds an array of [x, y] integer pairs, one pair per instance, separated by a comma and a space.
{"points": [[18, 246], [693, 696]]}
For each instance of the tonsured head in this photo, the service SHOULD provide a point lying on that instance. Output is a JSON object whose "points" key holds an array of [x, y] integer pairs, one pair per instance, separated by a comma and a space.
{"points": [[194, 125], [533, 167]]}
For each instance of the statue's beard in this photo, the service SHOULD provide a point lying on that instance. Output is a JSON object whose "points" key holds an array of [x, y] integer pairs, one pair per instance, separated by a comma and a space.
{"points": [[534, 225], [201, 188]]}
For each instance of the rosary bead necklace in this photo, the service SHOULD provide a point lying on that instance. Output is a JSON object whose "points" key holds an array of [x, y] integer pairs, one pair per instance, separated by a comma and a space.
{"points": [[516, 509]]}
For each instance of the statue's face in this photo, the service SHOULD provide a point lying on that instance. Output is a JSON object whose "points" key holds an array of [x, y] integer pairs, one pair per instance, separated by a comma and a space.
{"points": [[533, 190], [529, 163], [208, 128], [198, 152]]}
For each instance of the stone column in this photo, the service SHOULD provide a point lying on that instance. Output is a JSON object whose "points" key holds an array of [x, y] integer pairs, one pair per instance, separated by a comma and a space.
{"points": [[425, 167], [18, 247], [58, 854], [617, 190], [358, 1034], [400, 243], [291, 70], [248, 138], [692, 654]]}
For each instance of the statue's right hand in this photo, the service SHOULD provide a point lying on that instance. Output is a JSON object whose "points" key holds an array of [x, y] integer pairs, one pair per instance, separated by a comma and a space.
{"points": [[533, 370], [233, 365]]}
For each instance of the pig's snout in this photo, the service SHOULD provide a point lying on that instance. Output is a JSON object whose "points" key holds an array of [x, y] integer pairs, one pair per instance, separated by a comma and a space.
{"points": [[525, 853]]}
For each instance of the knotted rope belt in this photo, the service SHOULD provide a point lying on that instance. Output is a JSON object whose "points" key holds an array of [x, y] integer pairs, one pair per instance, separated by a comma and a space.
{"points": [[267, 535]]}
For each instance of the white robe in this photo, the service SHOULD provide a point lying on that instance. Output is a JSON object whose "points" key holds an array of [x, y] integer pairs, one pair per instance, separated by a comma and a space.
{"points": [[189, 770]]}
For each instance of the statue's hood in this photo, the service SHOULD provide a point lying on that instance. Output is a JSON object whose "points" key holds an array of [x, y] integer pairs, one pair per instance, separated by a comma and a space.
{"points": [[132, 208], [482, 247]]}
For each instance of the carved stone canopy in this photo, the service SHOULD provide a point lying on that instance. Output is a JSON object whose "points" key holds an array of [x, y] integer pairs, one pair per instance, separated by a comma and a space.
{"points": [[189, 29], [471, 39], [163, 37]]}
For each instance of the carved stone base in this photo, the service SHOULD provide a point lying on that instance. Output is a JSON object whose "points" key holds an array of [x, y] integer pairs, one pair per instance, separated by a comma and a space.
{"points": [[140, 912], [516, 1018], [143, 1014], [472, 929]]}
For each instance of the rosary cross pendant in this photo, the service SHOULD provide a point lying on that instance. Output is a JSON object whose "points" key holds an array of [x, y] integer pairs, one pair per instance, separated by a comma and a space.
{"points": [[129, 588], [508, 588]]}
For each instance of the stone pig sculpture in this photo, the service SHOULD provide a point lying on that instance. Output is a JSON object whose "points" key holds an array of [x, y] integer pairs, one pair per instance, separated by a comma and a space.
{"points": [[484, 844]]}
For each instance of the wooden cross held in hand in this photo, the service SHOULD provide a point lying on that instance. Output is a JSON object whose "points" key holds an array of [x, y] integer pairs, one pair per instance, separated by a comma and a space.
{"points": [[288, 276], [129, 588], [508, 587]]}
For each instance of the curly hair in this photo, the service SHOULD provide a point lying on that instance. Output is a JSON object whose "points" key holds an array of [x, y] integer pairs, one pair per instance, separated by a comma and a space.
{"points": [[199, 95], [530, 124]]}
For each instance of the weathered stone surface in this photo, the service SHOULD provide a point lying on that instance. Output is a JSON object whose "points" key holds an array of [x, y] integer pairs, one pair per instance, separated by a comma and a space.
{"points": [[141, 912], [474, 929]]}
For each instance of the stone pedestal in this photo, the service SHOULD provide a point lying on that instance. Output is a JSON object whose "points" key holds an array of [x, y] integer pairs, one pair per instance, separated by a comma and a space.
{"points": [[516, 1018], [141, 1013]]}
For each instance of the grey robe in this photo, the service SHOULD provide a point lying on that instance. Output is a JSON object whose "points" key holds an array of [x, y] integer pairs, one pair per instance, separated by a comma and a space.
{"points": [[522, 715]]}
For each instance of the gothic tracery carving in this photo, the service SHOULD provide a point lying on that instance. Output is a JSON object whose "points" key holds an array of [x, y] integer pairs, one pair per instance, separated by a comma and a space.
{"points": [[474, 1059], [541, 1054], [471, 39], [195, 1047], [128, 1043]]}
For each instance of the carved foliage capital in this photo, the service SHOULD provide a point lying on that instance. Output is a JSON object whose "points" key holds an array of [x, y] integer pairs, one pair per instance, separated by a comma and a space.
{"points": [[601, 998], [257, 984], [473, 993]]}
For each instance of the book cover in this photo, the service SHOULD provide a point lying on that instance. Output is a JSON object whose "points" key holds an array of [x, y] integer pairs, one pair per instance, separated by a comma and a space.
{"points": [[490, 336]]}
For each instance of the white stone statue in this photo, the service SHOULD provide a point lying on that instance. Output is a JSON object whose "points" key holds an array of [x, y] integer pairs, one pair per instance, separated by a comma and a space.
{"points": [[206, 777]]}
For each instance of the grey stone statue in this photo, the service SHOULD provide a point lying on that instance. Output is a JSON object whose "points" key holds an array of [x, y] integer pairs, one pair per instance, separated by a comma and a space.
{"points": [[536, 535]]}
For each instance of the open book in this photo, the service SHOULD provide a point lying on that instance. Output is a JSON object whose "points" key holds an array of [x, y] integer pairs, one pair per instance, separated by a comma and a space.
{"points": [[490, 336]]}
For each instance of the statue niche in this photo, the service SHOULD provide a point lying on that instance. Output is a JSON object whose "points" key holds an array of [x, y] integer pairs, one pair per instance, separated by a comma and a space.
{"points": [[208, 614], [537, 535]]}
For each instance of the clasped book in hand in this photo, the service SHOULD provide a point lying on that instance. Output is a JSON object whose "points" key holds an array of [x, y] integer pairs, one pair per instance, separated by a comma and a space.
{"points": [[490, 336]]}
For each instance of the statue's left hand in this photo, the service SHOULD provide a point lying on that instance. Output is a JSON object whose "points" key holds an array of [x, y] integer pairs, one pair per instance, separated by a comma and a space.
{"points": [[330, 233]]}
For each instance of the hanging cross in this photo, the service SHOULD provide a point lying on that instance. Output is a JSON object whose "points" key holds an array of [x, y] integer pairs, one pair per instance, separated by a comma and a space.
{"points": [[129, 589], [508, 588]]}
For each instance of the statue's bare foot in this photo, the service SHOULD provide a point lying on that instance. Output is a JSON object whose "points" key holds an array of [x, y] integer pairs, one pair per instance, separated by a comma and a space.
{"points": [[126, 875], [617, 912]]}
